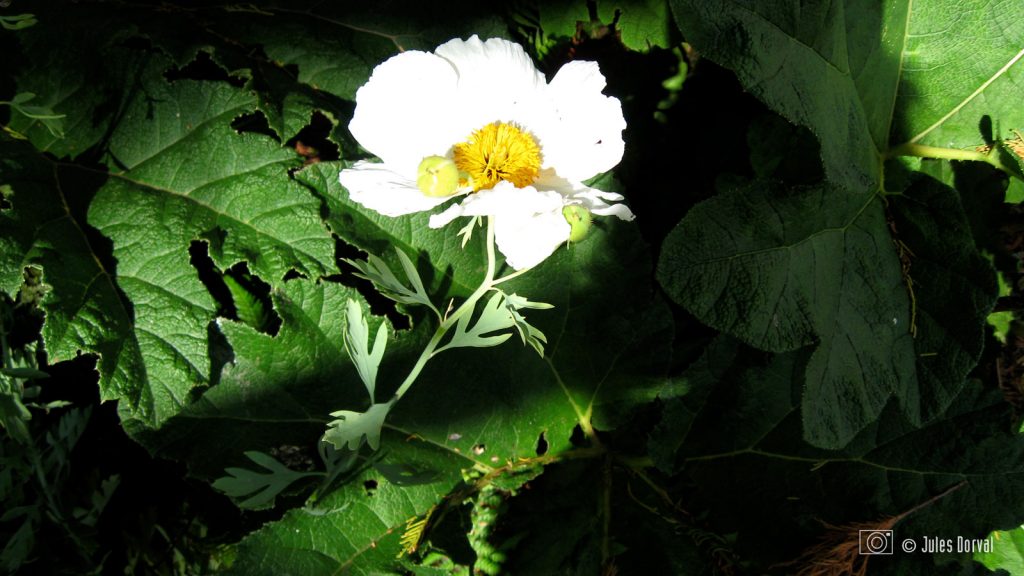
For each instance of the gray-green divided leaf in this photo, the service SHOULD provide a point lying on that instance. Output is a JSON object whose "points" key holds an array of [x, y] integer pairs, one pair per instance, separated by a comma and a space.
{"points": [[442, 262], [351, 429], [258, 488], [356, 530], [278, 390], [493, 318], [180, 174], [365, 356], [598, 287], [782, 269]]}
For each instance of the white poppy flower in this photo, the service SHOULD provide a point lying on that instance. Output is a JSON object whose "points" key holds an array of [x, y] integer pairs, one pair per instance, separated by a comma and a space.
{"points": [[478, 118]]}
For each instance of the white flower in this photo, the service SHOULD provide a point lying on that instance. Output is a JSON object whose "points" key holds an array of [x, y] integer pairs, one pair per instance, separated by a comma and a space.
{"points": [[478, 118]]}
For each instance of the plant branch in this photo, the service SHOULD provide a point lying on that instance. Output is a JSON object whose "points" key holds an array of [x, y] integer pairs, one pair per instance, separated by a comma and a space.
{"points": [[922, 151], [466, 307]]}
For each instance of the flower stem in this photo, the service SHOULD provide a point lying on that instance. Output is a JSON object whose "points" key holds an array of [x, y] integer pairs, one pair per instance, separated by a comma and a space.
{"points": [[448, 322], [510, 276], [922, 151]]}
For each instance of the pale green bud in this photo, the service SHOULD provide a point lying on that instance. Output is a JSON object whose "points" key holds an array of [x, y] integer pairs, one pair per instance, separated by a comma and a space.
{"points": [[437, 176], [579, 221]]}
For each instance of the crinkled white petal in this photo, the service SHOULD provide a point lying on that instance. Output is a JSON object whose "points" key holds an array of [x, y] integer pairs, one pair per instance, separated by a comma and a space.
{"points": [[497, 80], [503, 199], [528, 223], [419, 104], [378, 187], [409, 110], [594, 200], [584, 138], [526, 240]]}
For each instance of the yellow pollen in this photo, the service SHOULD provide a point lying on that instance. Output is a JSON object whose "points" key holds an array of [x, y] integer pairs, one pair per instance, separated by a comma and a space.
{"points": [[497, 152]]}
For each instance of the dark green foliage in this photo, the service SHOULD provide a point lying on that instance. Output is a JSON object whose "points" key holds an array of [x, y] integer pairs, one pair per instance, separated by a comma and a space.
{"points": [[789, 340]]}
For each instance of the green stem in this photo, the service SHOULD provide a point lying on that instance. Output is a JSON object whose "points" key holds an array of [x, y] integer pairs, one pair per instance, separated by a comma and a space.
{"points": [[922, 151], [510, 276], [447, 324]]}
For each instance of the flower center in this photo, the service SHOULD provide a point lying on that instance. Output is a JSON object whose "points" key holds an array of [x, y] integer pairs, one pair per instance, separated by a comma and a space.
{"points": [[497, 152]]}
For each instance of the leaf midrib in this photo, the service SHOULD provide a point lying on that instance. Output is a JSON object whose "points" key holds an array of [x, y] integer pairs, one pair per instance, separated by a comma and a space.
{"points": [[240, 223], [999, 73]]}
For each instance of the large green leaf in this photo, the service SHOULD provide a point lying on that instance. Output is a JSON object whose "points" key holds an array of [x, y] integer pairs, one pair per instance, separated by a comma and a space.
{"points": [[470, 408], [586, 282], [278, 390], [180, 174], [755, 263], [775, 490], [1007, 551], [84, 310], [781, 268], [640, 24], [353, 531], [868, 77]]}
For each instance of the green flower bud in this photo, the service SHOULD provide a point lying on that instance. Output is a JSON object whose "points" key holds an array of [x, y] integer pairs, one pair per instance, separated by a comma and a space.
{"points": [[579, 221], [437, 176]]}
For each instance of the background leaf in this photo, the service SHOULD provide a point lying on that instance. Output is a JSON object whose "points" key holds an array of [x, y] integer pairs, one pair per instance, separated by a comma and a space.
{"points": [[776, 490], [45, 227], [191, 179], [779, 268], [750, 263]]}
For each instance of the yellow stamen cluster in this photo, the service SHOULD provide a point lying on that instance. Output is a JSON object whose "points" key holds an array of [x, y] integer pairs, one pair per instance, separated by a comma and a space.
{"points": [[497, 152]]}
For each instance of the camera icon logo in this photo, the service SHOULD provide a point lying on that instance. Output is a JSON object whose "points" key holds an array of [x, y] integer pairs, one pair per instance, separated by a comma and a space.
{"points": [[875, 542]]}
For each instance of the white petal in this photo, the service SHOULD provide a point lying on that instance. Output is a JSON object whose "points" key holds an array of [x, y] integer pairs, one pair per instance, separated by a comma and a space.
{"points": [[378, 187], [594, 200], [586, 138], [526, 240], [503, 199], [528, 223], [620, 211], [405, 111], [494, 78]]}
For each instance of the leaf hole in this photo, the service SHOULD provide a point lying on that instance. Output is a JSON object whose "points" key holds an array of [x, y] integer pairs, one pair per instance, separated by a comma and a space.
{"points": [[578, 438], [292, 274], [370, 486], [239, 295], [203, 67], [479, 449], [313, 142], [251, 299], [209, 275], [379, 304], [542, 445], [295, 457], [253, 123]]}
